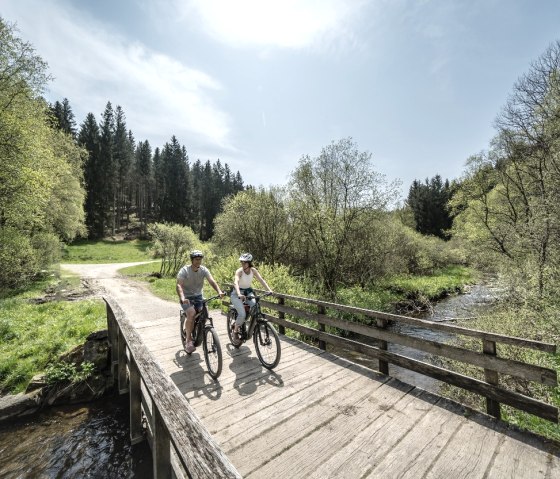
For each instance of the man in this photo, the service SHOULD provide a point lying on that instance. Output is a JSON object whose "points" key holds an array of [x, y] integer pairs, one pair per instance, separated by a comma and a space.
{"points": [[190, 281]]}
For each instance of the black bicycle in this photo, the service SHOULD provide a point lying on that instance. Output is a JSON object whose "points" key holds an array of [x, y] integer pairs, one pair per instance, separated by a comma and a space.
{"points": [[204, 332], [265, 337]]}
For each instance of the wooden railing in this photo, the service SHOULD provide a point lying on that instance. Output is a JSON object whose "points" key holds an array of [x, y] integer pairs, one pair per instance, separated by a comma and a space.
{"points": [[488, 360], [180, 442]]}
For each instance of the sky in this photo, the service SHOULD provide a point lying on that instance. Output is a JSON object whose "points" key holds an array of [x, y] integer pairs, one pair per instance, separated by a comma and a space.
{"points": [[258, 84]]}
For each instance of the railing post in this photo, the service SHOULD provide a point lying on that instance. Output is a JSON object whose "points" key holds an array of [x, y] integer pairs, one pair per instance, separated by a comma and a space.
{"points": [[112, 327], [121, 368], [321, 310], [383, 365], [281, 315], [492, 406], [161, 452], [135, 396]]}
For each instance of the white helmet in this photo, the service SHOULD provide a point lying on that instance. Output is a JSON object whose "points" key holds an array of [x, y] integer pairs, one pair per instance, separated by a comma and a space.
{"points": [[246, 257], [197, 254]]}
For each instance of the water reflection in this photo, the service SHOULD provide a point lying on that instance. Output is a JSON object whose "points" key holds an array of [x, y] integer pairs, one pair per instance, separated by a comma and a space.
{"points": [[74, 441]]}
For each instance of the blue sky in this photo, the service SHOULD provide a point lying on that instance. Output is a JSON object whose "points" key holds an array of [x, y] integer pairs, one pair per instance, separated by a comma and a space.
{"points": [[260, 83]]}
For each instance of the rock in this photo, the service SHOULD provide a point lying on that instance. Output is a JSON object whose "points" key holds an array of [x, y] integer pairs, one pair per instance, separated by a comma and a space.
{"points": [[15, 405], [37, 382], [96, 351]]}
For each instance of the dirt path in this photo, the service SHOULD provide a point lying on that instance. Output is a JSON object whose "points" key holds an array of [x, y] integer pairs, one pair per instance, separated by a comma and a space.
{"points": [[136, 300]]}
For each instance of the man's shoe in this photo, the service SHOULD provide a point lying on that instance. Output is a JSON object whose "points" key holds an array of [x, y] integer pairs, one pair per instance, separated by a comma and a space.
{"points": [[190, 347]]}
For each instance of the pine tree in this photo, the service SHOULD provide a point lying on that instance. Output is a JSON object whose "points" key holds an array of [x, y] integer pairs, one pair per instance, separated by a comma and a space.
{"points": [[89, 138], [108, 172]]}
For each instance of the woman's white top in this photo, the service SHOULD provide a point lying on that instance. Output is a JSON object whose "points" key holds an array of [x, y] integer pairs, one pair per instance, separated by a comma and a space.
{"points": [[246, 279]]}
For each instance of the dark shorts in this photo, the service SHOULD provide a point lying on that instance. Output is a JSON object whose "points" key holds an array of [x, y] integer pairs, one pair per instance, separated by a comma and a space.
{"points": [[195, 301]]}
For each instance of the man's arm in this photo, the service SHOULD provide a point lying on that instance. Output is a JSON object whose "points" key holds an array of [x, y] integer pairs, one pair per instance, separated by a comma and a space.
{"points": [[180, 292], [214, 285]]}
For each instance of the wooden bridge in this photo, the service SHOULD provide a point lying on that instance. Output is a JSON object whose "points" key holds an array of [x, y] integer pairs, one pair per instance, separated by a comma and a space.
{"points": [[318, 415]]}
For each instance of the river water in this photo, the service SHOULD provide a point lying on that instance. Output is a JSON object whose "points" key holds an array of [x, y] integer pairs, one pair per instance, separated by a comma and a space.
{"points": [[93, 441], [74, 442]]}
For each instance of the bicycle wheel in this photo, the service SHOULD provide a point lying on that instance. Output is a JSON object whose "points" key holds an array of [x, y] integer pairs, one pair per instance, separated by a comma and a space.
{"points": [[231, 317], [182, 331], [267, 344], [212, 352]]}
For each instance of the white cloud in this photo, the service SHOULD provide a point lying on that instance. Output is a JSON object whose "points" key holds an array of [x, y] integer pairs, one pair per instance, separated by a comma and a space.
{"points": [[270, 23], [93, 65]]}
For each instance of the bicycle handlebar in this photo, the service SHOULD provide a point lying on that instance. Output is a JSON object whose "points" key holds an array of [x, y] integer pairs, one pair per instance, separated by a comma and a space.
{"points": [[210, 299]]}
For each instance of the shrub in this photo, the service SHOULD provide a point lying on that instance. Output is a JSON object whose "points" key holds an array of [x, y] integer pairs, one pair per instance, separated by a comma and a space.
{"points": [[18, 258], [172, 243]]}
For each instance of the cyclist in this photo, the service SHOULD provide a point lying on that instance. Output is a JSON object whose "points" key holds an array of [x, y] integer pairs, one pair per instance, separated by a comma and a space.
{"points": [[190, 281], [242, 287]]}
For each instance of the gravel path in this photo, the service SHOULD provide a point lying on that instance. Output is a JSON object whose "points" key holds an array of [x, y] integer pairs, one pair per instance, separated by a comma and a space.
{"points": [[136, 300]]}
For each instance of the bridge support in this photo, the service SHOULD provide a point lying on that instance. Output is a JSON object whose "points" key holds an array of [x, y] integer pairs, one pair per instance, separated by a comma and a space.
{"points": [[491, 377], [383, 345], [322, 310], [281, 315]]}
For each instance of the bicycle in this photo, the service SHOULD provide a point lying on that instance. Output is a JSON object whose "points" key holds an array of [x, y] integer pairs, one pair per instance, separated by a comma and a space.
{"points": [[265, 337], [204, 332]]}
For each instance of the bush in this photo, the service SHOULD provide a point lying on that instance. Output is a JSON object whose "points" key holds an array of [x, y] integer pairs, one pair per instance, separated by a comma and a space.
{"points": [[48, 248], [18, 258], [172, 244]]}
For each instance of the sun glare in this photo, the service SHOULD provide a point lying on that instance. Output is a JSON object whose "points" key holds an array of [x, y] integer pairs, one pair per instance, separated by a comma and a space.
{"points": [[287, 23]]}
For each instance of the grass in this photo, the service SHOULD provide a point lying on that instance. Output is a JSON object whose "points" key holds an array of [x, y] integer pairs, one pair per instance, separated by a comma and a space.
{"points": [[34, 335], [107, 251]]}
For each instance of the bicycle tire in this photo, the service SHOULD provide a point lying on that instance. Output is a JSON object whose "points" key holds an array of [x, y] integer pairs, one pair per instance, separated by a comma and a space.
{"points": [[267, 344], [212, 352], [232, 316], [182, 319]]}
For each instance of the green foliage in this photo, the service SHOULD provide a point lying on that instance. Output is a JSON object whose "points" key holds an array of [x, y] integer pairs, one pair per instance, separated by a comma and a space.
{"points": [[33, 335], [106, 251], [18, 260], [334, 198], [40, 168], [172, 244], [508, 202], [68, 372], [256, 220], [428, 202]]}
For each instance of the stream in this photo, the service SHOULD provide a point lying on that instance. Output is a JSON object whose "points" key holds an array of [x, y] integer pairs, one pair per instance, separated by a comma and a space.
{"points": [[476, 300], [93, 440]]}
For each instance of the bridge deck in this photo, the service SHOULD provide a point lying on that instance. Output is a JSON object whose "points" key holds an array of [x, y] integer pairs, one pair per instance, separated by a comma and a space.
{"points": [[321, 416], [317, 415]]}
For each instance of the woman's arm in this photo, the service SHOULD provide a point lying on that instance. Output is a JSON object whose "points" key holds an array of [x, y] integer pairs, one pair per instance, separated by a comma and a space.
{"points": [[261, 279], [236, 277]]}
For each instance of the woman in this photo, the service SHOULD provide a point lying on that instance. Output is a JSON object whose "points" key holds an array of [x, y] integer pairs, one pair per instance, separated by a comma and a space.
{"points": [[242, 287]]}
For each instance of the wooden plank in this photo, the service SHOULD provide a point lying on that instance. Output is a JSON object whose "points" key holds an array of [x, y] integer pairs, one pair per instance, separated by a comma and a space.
{"points": [[282, 457], [519, 459], [468, 454], [411, 456], [342, 419], [275, 410], [430, 325]]}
